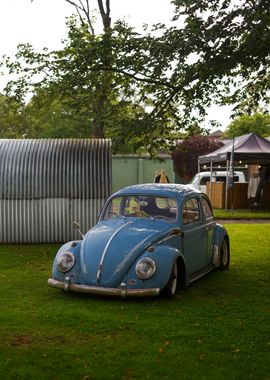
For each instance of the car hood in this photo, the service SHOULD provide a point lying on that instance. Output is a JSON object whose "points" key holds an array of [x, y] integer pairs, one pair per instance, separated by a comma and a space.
{"points": [[111, 247]]}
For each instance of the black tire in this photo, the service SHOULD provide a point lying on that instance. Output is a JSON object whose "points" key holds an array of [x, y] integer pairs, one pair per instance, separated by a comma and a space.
{"points": [[171, 288], [224, 255]]}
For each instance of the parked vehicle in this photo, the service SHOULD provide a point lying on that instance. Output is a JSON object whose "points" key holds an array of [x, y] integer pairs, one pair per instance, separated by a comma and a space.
{"points": [[150, 239], [200, 179]]}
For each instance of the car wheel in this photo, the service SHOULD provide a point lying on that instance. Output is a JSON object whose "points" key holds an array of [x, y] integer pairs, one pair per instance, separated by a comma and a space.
{"points": [[224, 255], [170, 289]]}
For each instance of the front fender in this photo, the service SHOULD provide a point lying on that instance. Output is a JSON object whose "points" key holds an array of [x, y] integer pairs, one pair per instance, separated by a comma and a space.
{"points": [[74, 247], [164, 257]]}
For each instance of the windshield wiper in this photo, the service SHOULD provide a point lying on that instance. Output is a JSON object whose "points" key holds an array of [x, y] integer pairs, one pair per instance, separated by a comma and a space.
{"points": [[117, 214], [144, 214]]}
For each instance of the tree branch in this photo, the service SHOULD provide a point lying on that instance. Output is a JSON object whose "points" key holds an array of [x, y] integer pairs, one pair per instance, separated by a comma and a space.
{"points": [[135, 77], [105, 15], [85, 10]]}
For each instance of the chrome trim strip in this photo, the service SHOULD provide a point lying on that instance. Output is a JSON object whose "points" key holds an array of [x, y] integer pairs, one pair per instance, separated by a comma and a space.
{"points": [[100, 267], [115, 292], [169, 236], [197, 275]]}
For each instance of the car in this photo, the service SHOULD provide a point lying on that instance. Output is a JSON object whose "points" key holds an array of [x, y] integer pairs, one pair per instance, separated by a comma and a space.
{"points": [[200, 179], [150, 240]]}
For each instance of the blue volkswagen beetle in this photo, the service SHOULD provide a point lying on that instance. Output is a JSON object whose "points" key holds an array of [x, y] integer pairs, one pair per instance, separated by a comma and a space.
{"points": [[150, 239]]}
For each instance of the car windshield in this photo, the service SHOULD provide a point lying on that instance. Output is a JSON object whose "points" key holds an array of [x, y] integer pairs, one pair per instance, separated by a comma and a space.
{"points": [[142, 206], [194, 179]]}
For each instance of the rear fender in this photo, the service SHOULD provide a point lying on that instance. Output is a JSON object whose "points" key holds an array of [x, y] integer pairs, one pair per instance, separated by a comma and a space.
{"points": [[219, 235]]}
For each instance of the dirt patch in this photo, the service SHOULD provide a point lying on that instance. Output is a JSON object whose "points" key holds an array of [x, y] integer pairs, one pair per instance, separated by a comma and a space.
{"points": [[22, 340]]}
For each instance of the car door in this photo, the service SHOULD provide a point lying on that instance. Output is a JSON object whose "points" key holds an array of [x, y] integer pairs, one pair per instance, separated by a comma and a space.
{"points": [[195, 236]]}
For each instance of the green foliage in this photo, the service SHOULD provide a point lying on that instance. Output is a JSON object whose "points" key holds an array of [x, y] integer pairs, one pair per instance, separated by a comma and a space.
{"points": [[53, 118], [257, 123], [14, 120], [92, 81], [143, 90], [206, 332], [229, 42], [185, 157]]}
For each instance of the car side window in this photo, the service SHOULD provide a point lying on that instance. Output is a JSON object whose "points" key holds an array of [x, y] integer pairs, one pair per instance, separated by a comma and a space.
{"points": [[224, 178], [204, 180], [207, 210], [191, 213]]}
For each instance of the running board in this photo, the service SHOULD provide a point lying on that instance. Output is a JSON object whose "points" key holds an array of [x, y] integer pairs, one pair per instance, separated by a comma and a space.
{"points": [[195, 276]]}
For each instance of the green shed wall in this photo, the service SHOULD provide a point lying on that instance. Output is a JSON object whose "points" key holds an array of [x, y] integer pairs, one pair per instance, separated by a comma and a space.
{"points": [[130, 170]]}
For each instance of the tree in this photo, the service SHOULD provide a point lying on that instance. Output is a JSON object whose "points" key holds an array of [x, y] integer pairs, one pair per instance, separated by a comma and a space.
{"points": [[111, 95], [218, 52], [15, 122], [229, 43], [145, 89], [52, 118], [258, 123], [121, 83], [186, 155]]}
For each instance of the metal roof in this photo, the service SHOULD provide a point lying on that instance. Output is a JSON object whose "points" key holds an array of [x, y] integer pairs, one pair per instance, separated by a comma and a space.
{"points": [[47, 184], [54, 168]]}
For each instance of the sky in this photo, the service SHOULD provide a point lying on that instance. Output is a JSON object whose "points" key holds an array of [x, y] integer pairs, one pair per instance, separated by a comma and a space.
{"points": [[42, 24]]}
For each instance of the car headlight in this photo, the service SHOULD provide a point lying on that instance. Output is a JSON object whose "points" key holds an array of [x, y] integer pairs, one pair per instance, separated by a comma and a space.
{"points": [[145, 268], [65, 262]]}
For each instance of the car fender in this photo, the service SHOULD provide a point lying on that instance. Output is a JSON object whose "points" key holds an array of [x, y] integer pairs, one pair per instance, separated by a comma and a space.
{"points": [[220, 234], [73, 247], [164, 257]]}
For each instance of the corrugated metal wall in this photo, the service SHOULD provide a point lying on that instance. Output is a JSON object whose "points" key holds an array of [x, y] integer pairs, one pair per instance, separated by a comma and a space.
{"points": [[47, 184]]}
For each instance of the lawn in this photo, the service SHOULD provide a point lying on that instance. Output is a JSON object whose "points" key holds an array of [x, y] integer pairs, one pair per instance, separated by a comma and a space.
{"points": [[218, 328], [241, 214]]}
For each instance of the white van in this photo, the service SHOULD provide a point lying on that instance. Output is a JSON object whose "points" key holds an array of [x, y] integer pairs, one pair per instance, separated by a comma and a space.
{"points": [[200, 179]]}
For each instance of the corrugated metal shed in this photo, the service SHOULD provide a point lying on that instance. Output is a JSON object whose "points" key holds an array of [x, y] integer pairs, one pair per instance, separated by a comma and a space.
{"points": [[46, 184]]}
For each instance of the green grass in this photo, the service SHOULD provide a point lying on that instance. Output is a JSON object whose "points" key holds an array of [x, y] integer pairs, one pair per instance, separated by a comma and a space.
{"points": [[218, 328], [241, 214]]}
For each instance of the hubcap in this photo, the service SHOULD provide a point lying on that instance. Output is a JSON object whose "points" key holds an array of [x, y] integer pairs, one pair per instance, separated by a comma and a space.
{"points": [[224, 253]]}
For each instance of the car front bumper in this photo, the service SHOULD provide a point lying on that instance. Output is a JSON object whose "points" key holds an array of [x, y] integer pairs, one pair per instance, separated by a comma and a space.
{"points": [[123, 291]]}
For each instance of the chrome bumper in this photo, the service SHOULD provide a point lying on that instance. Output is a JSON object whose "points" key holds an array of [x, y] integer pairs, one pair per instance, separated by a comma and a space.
{"points": [[116, 292]]}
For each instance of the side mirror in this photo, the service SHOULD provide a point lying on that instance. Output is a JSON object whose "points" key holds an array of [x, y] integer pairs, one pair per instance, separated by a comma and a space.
{"points": [[76, 226]]}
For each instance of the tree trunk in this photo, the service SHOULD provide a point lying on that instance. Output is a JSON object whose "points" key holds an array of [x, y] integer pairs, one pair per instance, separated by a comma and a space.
{"points": [[100, 104]]}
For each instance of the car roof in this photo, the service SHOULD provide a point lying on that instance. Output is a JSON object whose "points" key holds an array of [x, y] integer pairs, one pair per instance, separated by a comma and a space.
{"points": [[217, 173], [173, 190]]}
